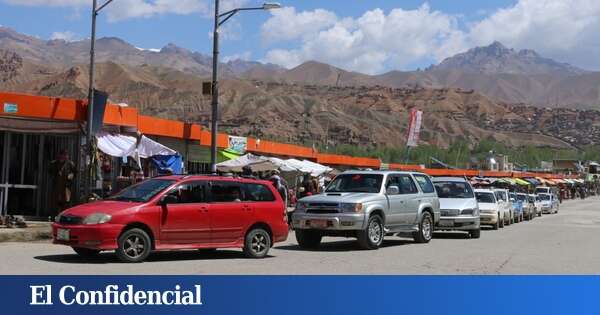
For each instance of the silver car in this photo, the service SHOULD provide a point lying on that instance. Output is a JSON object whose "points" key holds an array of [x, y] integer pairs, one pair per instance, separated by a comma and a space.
{"points": [[458, 206], [369, 205]]}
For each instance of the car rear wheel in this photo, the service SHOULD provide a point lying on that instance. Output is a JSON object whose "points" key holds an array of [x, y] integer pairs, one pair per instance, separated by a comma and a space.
{"points": [[425, 233], [475, 233], [372, 236], [134, 246], [86, 252], [257, 244], [308, 239]]}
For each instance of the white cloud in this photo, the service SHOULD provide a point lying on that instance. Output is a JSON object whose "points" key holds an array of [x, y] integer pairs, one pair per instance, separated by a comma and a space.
{"points": [[55, 3], [366, 44], [566, 30], [246, 56], [66, 36], [563, 29]]}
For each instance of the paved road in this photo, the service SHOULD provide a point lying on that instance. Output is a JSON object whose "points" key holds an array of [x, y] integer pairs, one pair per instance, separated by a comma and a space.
{"points": [[564, 243]]}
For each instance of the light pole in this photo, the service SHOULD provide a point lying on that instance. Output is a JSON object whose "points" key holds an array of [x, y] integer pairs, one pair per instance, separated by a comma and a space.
{"points": [[221, 18], [90, 107]]}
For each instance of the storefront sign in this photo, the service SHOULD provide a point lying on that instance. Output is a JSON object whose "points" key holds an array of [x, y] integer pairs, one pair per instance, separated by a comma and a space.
{"points": [[10, 108], [238, 144]]}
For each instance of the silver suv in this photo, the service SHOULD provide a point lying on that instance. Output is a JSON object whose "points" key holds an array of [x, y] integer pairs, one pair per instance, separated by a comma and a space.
{"points": [[369, 205]]}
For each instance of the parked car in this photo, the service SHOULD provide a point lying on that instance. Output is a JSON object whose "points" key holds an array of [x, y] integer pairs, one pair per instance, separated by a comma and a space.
{"points": [[528, 208], [505, 205], [369, 205], [549, 203], [489, 208], [177, 212], [532, 199], [517, 207], [458, 206]]}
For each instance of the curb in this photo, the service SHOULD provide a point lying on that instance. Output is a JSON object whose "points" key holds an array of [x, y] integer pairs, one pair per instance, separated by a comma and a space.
{"points": [[26, 234]]}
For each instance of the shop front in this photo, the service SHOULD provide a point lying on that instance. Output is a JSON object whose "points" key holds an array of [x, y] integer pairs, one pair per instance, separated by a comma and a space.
{"points": [[28, 178]]}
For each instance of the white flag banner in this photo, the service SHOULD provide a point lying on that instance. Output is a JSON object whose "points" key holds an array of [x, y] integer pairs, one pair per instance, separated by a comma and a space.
{"points": [[414, 128]]}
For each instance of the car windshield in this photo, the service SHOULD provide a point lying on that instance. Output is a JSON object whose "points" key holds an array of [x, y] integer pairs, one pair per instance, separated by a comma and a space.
{"points": [[143, 191], [366, 183], [458, 190], [521, 197], [501, 195], [544, 197], [485, 197]]}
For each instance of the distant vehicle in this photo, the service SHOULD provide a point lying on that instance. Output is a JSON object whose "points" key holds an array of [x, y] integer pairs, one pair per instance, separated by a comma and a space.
{"points": [[533, 199], [538, 205], [489, 208], [505, 204], [369, 205], [458, 206], [549, 203], [517, 207], [543, 190], [528, 208], [177, 212]]}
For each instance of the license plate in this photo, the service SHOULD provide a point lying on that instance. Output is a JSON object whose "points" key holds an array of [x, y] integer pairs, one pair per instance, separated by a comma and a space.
{"points": [[62, 235], [318, 223], [446, 223]]}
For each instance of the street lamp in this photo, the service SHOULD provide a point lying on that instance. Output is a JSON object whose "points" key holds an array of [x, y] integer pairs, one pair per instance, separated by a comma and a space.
{"points": [[221, 18], [90, 108]]}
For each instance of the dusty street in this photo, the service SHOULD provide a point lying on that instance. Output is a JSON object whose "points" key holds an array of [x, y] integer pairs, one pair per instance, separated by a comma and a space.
{"points": [[563, 243]]}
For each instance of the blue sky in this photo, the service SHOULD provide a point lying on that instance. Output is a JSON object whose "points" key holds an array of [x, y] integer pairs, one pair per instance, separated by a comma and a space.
{"points": [[368, 36]]}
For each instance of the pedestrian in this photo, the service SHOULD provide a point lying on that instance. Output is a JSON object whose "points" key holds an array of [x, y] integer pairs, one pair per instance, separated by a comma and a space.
{"points": [[62, 171]]}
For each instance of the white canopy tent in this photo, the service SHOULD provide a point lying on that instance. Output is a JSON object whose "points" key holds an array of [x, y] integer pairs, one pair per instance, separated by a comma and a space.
{"points": [[119, 145], [262, 163]]}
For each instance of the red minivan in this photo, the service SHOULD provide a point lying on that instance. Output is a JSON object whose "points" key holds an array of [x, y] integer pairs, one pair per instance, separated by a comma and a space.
{"points": [[177, 212]]}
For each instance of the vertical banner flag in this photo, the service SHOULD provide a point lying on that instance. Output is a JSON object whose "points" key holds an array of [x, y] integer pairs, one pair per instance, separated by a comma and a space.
{"points": [[414, 128]]}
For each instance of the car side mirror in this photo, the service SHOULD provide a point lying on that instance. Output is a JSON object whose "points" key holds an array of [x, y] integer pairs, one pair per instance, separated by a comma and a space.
{"points": [[393, 190], [167, 199]]}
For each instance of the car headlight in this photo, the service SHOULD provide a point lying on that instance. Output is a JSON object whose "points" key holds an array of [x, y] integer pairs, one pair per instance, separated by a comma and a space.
{"points": [[97, 218], [57, 218], [351, 207], [468, 212]]}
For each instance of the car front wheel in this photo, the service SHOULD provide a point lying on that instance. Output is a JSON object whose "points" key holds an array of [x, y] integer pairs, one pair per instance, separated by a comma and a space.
{"points": [[425, 233], [475, 233], [134, 246], [372, 236], [308, 239]]}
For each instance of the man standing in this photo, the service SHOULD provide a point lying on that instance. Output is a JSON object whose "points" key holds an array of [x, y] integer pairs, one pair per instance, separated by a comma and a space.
{"points": [[62, 170]]}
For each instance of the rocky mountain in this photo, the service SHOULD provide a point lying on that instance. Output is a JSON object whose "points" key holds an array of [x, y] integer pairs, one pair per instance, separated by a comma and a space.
{"points": [[497, 59], [63, 54], [316, 113]]}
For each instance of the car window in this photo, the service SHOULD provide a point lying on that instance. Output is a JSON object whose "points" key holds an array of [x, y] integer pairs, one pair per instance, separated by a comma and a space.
{"points": [[258, 192], [454, 190], [425, 183], [407, 185], [366, 183], [143, 191], [485, 197], [226, 192], [193, 192]]}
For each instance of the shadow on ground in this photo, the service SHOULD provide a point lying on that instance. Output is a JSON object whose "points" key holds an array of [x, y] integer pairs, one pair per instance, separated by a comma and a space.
{"points": [[111, 258]]}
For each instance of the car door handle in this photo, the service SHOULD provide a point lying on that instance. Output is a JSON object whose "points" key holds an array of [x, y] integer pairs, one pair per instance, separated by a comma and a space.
{"points": [[203, 209]]}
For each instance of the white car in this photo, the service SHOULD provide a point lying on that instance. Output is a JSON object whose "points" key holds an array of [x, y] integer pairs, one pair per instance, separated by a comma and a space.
{"points": [[505, 205], [549, 203], [489, 209]]}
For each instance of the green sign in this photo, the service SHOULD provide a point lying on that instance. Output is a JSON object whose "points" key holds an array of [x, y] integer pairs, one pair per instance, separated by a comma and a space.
{"points": [[10, 108]]}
